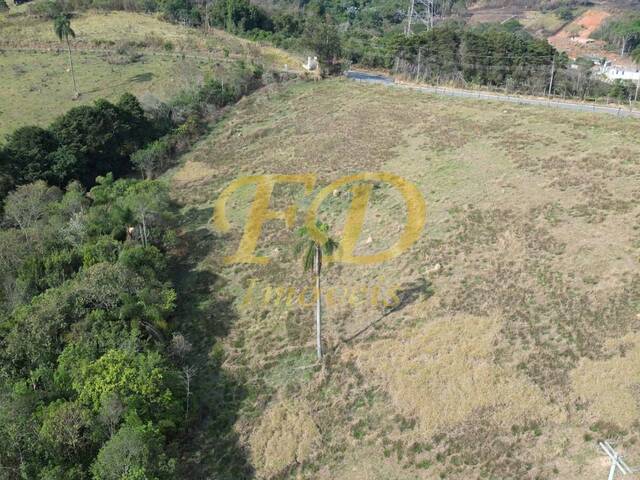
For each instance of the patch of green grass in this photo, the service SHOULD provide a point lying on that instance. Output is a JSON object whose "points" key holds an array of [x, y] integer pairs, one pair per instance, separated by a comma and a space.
{"points": [[37, 87]]}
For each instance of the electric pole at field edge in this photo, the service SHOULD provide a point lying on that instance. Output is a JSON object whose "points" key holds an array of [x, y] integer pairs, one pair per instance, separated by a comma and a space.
{"points": [[553, 71]]}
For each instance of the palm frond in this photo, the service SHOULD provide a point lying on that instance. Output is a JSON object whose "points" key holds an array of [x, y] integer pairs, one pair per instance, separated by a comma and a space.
{"points": [[307, 260], [309, 244], [330, 246], [62, 26]]}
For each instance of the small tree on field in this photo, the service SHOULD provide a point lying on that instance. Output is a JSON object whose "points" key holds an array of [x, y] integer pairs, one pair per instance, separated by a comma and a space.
{"points": [[312, 261], [62, 27]]}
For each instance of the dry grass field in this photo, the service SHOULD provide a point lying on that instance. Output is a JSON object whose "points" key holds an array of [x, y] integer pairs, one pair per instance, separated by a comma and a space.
{"points": [[513, 349], [158, 59]]}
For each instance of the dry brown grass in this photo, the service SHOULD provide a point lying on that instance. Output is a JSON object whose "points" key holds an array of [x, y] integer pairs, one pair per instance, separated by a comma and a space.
{"points": [[444, 371], [286, 436], [514, 296], [612, 386]]}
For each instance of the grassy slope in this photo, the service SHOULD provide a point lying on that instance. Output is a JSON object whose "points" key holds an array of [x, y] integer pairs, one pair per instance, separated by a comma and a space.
{"points": [[515, 340], [37, 86]]}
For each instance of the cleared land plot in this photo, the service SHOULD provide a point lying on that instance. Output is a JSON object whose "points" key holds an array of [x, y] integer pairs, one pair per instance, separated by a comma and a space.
{"points": [[518, 307], [575, 38], [157, 59], [37, 86], [542, 23]]}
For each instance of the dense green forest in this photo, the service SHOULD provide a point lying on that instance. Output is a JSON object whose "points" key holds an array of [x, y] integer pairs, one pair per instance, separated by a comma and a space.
{"points": [[96, 377]]}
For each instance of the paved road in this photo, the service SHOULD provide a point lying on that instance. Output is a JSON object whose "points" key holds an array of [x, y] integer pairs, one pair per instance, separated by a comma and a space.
{"points": [[458, 92]]}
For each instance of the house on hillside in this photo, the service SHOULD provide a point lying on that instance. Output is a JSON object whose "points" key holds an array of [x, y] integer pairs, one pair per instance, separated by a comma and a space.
{"points": [[615, 72]]}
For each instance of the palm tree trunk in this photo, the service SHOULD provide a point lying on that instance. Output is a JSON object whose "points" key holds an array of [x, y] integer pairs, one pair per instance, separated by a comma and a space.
{"points": [[318, 305], [73, 73]]}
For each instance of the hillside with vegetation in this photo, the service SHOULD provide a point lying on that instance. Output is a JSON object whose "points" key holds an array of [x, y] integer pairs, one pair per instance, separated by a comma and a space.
{"points": [[501, 344], [114, 52]]}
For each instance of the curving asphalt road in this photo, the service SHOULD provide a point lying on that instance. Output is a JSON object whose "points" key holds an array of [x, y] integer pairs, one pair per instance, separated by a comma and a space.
{"points": [[458, 92]]}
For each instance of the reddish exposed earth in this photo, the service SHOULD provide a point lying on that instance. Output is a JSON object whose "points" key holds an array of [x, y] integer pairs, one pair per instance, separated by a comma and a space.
{"points": [[574, 38]]}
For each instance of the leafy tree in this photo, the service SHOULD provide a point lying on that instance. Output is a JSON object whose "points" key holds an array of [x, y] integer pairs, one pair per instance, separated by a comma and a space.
{"points": [[82, 144], [140, 129], [323, 38], [240, 16], [620, 90], [41, 272], [142, 381], [103, 249], [77, 299], [34, 339], [18, 429], [133, 453], [149, 202], [621, 31], [101, 137], [564, 13], [66, 428], [28, 154], [152, 159], [29, 204], [312, 261], [148, 262], [63, 30]]}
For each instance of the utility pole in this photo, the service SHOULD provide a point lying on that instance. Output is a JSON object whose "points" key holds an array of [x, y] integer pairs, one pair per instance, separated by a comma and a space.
{"points": [[418, 71], [421, 10], [635, 99], [407, 28], [553, 71]]}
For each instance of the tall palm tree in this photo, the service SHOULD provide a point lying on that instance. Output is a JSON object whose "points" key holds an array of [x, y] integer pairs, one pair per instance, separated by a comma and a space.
{"points": [[62, 27], [312, 261]]}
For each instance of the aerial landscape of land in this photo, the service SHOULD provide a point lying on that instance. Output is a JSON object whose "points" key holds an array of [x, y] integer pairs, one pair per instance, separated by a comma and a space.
{"points": [[501, 343]]}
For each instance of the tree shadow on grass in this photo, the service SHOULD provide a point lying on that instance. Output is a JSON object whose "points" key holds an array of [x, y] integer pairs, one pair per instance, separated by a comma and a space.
{"points": [[407, 295], [142, 77], [209, 447]]}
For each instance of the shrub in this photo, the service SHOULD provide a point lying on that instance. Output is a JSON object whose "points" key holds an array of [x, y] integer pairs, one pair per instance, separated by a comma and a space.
{"points": [[564, 13]]}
